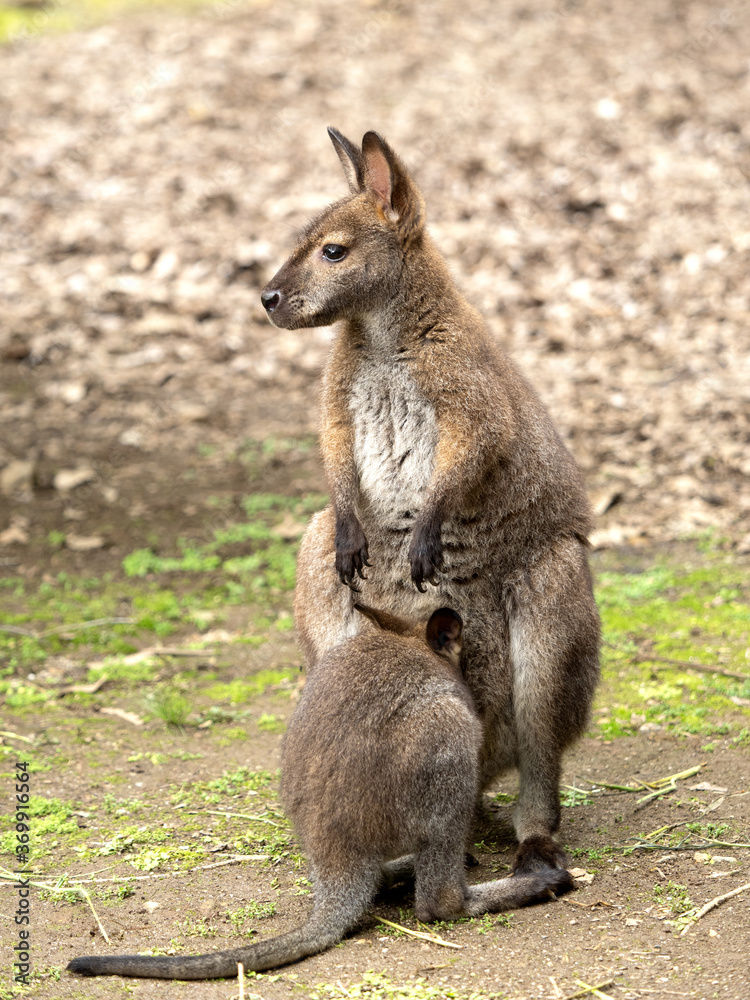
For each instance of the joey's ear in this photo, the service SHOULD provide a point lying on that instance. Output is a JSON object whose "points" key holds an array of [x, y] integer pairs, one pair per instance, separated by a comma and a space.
{"points": [[444, 631], [384, 620], [388, 180], [351, 159]]}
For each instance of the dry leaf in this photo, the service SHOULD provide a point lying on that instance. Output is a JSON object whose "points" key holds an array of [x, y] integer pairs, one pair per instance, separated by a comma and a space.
{"points": [[83, 688], [706, 786], [122, 714], [16, 477], [69, 479], [84, 543], [582, 876], [16, 533]]}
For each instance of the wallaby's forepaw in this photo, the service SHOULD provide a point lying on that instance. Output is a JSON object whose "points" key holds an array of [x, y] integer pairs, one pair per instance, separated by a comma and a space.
{"points": [[351, 551], [534, 854], [426, 554]]}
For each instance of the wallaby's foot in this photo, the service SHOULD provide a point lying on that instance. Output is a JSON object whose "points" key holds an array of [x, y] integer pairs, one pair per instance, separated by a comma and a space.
{"points": [[537, 853], [470, 861], [351, 550], [426, 553]]}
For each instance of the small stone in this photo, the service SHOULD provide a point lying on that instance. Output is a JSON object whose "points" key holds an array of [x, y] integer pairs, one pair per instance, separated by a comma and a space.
{"points": [[165, 265], [69, 479], [16, 348], [84, 543], [140, 261], [16, 477], [16, 533]]}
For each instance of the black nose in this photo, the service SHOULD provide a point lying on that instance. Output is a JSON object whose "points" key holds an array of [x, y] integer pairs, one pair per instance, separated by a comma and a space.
{"points": [[270, 300]]}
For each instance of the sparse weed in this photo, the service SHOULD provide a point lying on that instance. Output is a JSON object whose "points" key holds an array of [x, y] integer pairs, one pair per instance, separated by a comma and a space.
{"points": [[251, 911], [171, 706]]}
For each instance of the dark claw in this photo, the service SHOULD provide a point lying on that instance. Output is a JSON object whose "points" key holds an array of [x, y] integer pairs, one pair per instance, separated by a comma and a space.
{"points": [[426, 555], [352, 555], [537, 854]]}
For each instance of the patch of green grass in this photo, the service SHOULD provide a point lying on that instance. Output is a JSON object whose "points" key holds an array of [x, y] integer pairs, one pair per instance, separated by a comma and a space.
{"points": [[591, 853], [197, 928], [694, 610], [162, 592], [20, 696], [571, 797], [271, 723], [239, 691], [231, 785], [674, 896], [257, 551], [504, 798], [50, 818], [232, 735], [19, 23], [251, 911], [171, 706]]}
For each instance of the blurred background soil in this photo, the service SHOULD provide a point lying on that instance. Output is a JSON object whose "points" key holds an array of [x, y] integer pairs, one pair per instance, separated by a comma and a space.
{"points": [[585, 166]]}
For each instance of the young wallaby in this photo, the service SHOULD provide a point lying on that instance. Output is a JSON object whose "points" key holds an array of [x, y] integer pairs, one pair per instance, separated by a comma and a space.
{"points": [[380, 777], [443, 468]]}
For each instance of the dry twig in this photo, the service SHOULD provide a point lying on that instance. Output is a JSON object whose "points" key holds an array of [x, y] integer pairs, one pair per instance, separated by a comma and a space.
{"points": [[424, 935], [75, 627], [223, 812], [594, 990], [694, 915], [66, 886], [689, 665]]}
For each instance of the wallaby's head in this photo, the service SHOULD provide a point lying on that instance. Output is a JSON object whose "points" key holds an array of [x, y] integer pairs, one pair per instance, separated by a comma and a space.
{"points": [[348, 261], [442, 632]]}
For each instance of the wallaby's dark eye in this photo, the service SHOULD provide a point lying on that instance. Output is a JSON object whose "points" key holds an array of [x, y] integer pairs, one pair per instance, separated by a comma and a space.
{"points": [[332, 251]]}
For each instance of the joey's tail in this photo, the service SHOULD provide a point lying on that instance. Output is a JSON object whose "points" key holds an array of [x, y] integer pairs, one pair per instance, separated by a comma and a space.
{"points": [[326, 926]]}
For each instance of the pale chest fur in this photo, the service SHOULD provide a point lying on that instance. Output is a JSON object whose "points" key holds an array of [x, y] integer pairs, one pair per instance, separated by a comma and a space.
{"points": [[395, 436]]}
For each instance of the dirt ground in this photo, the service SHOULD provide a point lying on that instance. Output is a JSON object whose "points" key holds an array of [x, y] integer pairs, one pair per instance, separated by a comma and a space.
{"points": [[585, 166]]}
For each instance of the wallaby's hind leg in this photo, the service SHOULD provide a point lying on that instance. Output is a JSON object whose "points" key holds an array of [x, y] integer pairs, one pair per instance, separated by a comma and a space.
{"points": [[520, 890], [440, 889], [442, 892], [554, 644]]}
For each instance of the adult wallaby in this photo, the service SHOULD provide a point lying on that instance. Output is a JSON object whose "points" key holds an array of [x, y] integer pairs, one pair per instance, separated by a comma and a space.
{"points": [[380, 777], [443, 466]]}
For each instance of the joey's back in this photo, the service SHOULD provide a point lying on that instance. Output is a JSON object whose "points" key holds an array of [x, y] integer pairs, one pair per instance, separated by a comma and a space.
{"points": [[384, 725]]}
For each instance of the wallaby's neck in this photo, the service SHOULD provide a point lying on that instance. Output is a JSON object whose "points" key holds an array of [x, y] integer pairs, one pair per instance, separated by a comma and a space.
{"points": [[424, 300]]}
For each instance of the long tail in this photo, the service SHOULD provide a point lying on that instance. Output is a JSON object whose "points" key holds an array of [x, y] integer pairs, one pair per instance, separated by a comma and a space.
{"points": [[330, 920]]}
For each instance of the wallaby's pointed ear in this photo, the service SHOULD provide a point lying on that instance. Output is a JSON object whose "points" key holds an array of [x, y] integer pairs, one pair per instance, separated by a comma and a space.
{"points": [[388, 180], [384, 620], [444, 631], [351, 159]]}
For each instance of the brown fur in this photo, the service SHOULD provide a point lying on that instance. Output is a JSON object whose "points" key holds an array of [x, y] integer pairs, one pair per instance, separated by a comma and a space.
{"points": [[380, 776], [443, 468]]}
